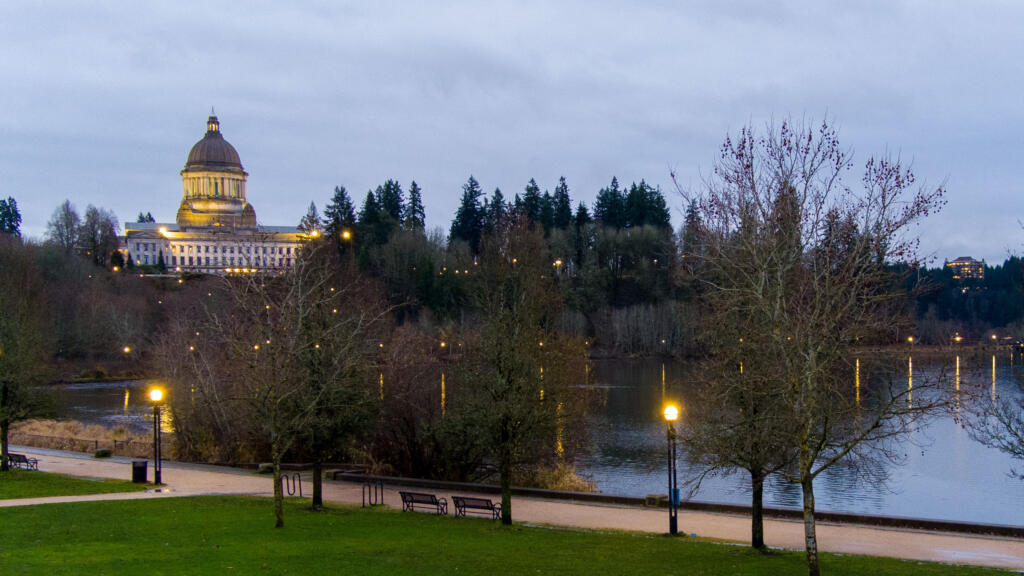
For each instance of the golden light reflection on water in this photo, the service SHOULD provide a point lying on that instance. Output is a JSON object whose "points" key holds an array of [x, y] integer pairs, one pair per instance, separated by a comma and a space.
{"points": [[663, 382], [993, 379], [857, 380], [910, 382], [442, 395], [381, 385], [559, 447], [956, 405], [127, 393], [166, 426]]}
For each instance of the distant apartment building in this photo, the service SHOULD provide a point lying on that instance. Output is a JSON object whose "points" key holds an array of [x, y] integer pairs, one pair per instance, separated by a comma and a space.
{"points": [[215, 230], [967, 268]]}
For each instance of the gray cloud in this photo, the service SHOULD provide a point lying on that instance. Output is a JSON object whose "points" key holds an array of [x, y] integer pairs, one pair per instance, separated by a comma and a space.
{"points": [[103, 100]]}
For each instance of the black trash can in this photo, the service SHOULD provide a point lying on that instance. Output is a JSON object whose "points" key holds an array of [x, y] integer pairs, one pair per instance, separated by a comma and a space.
{"points": [[139, 471]]}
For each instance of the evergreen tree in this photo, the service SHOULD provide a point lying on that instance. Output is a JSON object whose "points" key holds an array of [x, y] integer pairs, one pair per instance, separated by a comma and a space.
{"points": [[691, 231], [415, 216], [340, 213], [532, 201], [547, 212], [311, 221], [160, 264], [494, 211], [10, 217], [609, 208], [645, 206], [373, 222], [390, 201], [581, 224], [147, 217], [469, 219], [562, 205]]}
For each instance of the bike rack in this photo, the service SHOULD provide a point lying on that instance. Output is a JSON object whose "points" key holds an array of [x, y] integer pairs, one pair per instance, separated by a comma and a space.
{"points": [[291, 485], [373, 492]]}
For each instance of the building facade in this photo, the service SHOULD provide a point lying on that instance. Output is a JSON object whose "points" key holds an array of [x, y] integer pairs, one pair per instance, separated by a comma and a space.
{"points": [[215, 231], [967, 268]]}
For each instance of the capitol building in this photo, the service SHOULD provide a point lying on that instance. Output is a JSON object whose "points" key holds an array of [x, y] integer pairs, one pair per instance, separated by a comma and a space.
{"points": [[216, 230]]}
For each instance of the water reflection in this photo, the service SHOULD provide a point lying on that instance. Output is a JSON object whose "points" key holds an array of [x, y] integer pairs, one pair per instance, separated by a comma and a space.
{"points": [[945, 474]]}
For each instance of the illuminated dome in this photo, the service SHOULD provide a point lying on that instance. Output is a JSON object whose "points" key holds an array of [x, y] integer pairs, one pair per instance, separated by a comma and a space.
{"points": [[213, 152], [213, 185]]}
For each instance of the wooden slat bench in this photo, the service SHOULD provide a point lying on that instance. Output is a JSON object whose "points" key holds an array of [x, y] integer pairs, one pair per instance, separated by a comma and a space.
{"points": [[483, 506], [22, 461], [412, 499]]}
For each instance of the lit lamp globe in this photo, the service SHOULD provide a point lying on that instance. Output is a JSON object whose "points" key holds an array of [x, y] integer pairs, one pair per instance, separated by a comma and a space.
{"points": [[671, 413], [156, 394]]}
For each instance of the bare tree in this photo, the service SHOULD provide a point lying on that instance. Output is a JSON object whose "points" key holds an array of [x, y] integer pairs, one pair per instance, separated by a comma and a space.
{"points": [[519, 367], [282, 358], [25, 341], [62, 229], [97, 235], [802, 267]]}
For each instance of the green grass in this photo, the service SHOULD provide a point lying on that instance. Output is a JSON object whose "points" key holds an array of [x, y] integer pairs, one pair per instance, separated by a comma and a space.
{"points": [[235, 535], [17, 483]]}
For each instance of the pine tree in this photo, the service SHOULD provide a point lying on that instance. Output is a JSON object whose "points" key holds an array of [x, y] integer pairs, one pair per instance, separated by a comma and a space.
{"points": [[149, 217], [547, 212], [311, 221], [644, 206], [468, 222], [582, 215], [340, 214], [495, 210], [373, 223], [609, 208], [389, 199], [532, 201], [562, 205], [10, 217], [415, 216]]}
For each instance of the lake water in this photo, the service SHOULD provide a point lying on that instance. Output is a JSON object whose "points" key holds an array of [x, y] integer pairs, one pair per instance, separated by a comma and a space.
{"points": [[945, 476]]}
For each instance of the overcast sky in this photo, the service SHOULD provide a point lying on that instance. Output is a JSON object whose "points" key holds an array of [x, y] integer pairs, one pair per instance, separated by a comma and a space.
{"points": [[101, 100]]}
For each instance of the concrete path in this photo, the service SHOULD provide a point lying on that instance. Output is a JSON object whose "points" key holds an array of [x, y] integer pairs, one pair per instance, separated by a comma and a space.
{"points": [[193, 479]]}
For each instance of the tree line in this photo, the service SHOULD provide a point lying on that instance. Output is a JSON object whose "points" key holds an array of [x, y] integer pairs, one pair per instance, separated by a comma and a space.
{"points": [[458, 357]]}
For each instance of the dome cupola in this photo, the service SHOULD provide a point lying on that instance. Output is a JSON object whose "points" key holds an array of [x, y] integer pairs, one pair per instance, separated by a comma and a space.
{"points": [[213, 152], [213, 183]]}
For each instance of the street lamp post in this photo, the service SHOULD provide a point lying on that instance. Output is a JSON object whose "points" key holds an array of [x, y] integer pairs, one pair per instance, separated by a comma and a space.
{"points": [[156, 395], [671, 415]]}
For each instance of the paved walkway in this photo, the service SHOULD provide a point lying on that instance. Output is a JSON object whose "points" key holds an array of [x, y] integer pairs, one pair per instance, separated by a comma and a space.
{"points": [[194, 479]]}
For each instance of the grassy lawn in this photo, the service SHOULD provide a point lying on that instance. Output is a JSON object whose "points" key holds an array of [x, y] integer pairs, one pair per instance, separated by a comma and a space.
{"points": [[235, 535], [17, 483]]}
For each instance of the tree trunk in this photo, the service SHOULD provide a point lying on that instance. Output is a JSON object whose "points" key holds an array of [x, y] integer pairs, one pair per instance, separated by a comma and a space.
{"points": [[4, 465], [810, 536], [505, 470], [318, 496], [757, 509], [278, 494]]}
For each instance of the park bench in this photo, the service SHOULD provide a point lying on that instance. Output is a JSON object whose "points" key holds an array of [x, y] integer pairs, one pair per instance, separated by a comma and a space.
{"points": [[412, 499], [22, 461], [483, 506]]}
